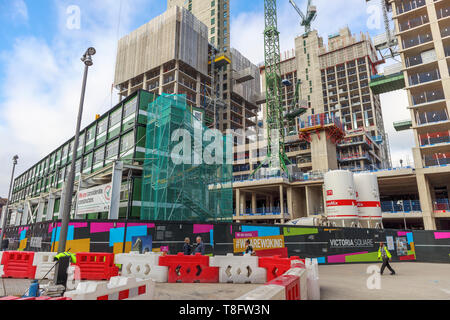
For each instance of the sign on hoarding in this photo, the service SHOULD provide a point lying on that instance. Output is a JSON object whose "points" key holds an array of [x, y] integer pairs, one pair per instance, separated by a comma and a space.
{"points": [[93, 200], [259, 243]]}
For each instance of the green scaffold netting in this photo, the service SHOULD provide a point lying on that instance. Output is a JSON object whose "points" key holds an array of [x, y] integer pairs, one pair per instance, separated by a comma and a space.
{"points": [[187, 168]]}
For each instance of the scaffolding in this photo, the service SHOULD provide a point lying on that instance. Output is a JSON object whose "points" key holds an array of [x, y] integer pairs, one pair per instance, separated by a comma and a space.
{"points": [[178, 183]]}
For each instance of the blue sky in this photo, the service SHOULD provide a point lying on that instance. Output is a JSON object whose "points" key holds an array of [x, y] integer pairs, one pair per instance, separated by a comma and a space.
{"points": [[40, 70]]}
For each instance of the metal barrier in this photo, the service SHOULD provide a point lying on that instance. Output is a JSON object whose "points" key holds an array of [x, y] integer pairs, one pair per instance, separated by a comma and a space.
{"points": [[407, 206]]}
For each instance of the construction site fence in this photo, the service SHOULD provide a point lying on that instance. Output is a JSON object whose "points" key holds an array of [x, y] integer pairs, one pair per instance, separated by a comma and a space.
{"points": [[220, 238]]}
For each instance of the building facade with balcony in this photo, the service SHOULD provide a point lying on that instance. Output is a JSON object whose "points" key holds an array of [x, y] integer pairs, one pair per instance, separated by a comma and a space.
{"points": [[423, 32]]}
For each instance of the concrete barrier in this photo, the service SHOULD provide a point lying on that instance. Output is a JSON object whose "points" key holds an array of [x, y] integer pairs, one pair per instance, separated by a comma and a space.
{"points": [[266, 292], [143, 266], [312, 270], [239, 269], [303, 281], [44, 262], [118, 288]]}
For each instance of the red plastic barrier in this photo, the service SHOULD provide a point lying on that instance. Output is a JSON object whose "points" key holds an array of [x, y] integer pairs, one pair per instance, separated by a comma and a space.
{"points": [[276, 265], [189, 269], [96, 266], [18, 265], [291, 285], [283, 252]]}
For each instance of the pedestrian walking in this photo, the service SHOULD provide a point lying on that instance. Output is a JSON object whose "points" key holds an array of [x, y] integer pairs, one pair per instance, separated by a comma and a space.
{"points": [[187, 248], [200, 246], [384, 253]]}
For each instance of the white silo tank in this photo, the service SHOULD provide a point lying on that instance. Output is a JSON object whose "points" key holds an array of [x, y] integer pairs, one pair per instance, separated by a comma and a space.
{"points": [[368, 200], [341, 206]]}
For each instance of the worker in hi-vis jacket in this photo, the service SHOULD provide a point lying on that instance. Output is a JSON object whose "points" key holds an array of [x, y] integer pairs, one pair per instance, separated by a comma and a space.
{"points": [[384, 253]]}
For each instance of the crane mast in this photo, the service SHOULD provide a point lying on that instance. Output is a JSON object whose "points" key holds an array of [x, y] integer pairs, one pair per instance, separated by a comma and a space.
{"points": [[274, 109]]}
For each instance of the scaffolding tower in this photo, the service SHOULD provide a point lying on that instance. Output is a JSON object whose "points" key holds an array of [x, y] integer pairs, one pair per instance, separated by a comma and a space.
{"points": [[179, 181]]}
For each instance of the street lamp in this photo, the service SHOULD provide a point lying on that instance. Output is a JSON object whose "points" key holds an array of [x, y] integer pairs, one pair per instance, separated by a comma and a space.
{"points": [[68, 188], [15, 158]]}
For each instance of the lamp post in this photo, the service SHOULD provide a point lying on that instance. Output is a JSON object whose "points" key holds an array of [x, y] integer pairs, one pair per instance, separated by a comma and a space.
{"points": [[15, 158], [68, 189]]}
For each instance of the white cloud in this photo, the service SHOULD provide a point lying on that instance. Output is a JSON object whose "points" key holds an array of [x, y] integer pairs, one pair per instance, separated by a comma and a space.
{"points": [[41, 91], [19, 10]]}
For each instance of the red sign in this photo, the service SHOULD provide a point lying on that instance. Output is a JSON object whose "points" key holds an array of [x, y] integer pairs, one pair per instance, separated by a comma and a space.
{"points": [[329, 192]]}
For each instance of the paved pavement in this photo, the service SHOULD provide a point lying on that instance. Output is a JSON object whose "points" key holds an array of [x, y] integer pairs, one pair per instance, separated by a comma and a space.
{"points": [[413, 281]]}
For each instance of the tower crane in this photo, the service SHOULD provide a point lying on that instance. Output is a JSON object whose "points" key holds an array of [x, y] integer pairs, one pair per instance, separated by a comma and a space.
{"points": [[310, 16], [276, 158]]}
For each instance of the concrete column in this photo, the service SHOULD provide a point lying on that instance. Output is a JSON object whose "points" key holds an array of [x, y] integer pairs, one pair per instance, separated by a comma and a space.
{"points": [[308, 201], [144, 82], [198, 90], [282, 201], [238, 202], [50, 207], [115, 190], [161, 79], [40, 210], [290, 202], [271, 203], [177, 76], [25, 213], [253, 202], [426, 202], [242, 201], [129, 87]]}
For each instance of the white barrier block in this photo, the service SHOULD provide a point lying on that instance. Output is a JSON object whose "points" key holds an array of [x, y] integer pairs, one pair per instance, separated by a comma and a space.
{"points": [[302, 274], [44, 262], [143, 266], [266, 292], [239, 269], [312, 270], [118, 288]]}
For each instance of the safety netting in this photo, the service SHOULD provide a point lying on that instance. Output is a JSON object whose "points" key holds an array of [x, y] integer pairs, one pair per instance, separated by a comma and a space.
{"points": [[187, 168]]}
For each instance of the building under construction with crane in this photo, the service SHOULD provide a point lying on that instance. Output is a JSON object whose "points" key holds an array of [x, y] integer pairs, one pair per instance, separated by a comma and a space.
{"points": [[319, 110]]}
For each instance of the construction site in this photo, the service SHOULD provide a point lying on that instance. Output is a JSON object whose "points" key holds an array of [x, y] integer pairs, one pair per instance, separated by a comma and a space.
{"points": [[291, 154]]}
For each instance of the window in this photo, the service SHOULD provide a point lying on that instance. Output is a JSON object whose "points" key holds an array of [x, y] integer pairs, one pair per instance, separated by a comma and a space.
{"points": [[101, 127], [112, 149], [85, 162], [64, 151], [77, 166], [213, 3], [224, 32], [89, 134], [225, 23], [225, 15], [130, 108], [213, 30], [114, 118], [127, 142], [213, 21], [99, 155], [225, 40], [213, 12], [213, 39]]}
